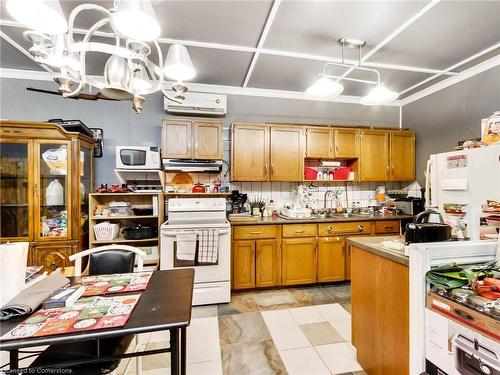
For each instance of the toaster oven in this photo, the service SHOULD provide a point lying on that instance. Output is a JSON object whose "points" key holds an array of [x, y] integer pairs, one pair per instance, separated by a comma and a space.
{"points": [[138, 157]]}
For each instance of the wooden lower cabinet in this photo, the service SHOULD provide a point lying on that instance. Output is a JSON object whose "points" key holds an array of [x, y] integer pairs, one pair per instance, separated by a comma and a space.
{"points": [[266, 265], [243, 260], [298, 261], [255, 264], [347, 262], [331, 259], [380, 313], [53, 255]]}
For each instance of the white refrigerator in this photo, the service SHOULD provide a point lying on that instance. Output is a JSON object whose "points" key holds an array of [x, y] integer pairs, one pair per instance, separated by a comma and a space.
{"points": [[467, 178]]}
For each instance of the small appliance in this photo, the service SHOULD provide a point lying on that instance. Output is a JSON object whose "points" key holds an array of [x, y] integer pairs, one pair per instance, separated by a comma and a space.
{"points": [[427, 226], [410, 205], [138, 157]]}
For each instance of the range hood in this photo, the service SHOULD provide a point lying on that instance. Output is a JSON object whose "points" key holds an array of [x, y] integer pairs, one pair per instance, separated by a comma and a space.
{"points": [[188, 165]]}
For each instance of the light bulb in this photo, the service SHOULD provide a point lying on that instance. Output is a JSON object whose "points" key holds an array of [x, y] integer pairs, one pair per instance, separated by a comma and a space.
{"points": [[379, 95], [178, 65], [324, 88], [44, 16], [136, 19]]}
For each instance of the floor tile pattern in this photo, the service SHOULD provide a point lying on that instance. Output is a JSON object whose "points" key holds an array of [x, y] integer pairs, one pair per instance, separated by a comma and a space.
{"points": [[303, 331]]}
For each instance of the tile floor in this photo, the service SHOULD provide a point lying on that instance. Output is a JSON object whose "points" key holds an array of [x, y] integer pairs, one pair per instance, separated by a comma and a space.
{"points": [[289, 331]]}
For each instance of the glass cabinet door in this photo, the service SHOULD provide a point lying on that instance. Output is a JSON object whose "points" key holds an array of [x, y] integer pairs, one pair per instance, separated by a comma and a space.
{"points": [[53, 205], [85, 189], [15, 190]]}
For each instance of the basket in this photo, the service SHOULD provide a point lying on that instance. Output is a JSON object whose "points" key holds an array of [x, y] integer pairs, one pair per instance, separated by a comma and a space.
{"points": [[106, 231], [310, 174], [341, 173]]}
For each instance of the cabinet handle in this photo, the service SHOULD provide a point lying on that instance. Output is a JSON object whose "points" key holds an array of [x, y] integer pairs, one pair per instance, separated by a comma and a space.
{"points": [[11, 131], [336, 146], [300, 231], [360, 228], [388, 227], [272, 169], [265, 169], [255, 232], [35, 190]]}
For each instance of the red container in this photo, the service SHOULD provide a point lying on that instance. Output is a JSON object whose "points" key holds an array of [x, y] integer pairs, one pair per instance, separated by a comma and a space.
{"points": [[341, 173], [310, 174]]}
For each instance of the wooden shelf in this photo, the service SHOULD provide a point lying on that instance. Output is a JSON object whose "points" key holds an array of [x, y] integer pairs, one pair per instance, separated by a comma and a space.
{"points": [[129, 193], [121, 239], [123, 217], [198, 194], [329, 181]]}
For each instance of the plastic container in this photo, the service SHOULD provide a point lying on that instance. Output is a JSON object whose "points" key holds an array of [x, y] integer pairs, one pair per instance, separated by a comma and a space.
{"points": [[54, 193], [143, 210], [119, 211], [310, 174], [106, 231], [341, 173]]}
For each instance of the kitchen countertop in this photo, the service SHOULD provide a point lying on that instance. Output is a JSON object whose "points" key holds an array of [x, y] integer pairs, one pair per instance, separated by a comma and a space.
{"points": [[373, 244], [316, 220]]}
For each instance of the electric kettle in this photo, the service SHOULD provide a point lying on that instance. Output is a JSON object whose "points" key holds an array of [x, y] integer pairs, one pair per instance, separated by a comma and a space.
{"points": [[428, 226]]}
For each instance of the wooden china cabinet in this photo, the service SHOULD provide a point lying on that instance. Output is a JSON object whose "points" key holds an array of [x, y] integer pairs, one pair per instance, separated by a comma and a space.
{"points": [[46, 175]]}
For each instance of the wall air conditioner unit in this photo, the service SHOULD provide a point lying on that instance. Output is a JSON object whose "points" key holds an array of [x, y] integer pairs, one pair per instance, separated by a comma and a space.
{"points": [[198, 104]]}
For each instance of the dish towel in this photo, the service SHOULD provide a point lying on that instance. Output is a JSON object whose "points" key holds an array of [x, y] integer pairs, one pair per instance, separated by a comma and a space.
{"points": [[31, 298], [209, 246], [186, 245]]}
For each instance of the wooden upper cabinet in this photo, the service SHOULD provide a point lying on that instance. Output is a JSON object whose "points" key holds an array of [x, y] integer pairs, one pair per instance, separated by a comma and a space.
{"points": [[345, 143], [207, 140], [192, 139], [287, 153], [319, 142], [177, 139], [250, 152], [402, 156], [374, 155]]}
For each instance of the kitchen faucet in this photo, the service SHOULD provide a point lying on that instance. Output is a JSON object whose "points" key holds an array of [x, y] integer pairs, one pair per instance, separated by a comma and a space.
{"points": [[327, 194]]}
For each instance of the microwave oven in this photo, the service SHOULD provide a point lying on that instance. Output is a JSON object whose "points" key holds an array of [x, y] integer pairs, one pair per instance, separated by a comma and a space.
{"points": [[137, 157]]}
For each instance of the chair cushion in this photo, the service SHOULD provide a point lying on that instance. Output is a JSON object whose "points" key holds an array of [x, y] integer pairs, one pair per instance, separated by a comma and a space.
{"points": [[111, 261], [84, 350]]}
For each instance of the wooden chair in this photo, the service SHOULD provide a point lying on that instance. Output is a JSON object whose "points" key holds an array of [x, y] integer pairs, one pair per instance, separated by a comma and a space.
{"points": [[102, 260]]}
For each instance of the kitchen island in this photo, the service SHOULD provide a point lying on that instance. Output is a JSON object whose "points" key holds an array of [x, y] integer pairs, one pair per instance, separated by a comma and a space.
{"points": [[380, 306]]}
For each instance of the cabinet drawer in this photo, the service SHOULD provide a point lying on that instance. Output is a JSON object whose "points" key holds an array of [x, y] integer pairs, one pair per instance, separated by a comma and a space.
{"points": [[355, 227], [387, 226], [254, 231], [299, 230]]}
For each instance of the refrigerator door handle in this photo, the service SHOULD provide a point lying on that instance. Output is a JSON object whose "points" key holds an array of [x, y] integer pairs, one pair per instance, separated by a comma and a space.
{"points": [[427, 196]]}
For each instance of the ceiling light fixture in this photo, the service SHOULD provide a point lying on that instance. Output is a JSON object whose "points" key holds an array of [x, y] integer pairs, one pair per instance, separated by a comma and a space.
{"points": [[129, 73], [328, 86]]}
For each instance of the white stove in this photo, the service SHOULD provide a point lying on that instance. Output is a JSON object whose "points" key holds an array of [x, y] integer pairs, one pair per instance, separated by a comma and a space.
{"points": [[188, 218]]}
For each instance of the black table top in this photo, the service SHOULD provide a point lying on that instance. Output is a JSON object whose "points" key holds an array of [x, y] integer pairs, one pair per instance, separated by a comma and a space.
{"points": [[165, 304]]}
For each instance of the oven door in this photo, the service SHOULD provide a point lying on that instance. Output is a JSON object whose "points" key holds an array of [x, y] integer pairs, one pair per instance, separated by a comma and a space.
{"points": [[204, 273]]}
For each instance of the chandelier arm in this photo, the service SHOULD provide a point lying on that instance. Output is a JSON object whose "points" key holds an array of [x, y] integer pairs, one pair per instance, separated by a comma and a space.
{"points": [[77, 10], [86, 38]]}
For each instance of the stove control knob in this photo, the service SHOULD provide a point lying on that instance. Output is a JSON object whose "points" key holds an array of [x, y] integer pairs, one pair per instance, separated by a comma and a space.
{"points": [[485, 369]]}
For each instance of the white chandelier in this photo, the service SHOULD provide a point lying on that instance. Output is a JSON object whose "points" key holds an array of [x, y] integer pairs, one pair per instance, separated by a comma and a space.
{"points": [[328, 86], [129, 74]]}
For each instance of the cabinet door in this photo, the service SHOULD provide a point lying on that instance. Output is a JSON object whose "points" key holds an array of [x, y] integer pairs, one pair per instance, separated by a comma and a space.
{"points": [[250, 153], [348, 262], [266, 263], [319, 143], [331, 259], [16, 197], [374, 155], [402, 156], [207, 140], [52, 190], [243, 264], [298, 261], [346, 143], [287, 153], [176, 140], [52, 256]]}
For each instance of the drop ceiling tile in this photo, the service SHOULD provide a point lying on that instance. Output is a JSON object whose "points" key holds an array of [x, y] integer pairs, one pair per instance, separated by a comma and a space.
{"points": [[315, 26], [12, 58], [448, 33]]}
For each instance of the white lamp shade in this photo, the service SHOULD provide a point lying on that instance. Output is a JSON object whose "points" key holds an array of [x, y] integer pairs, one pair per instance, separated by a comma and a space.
{"points": [[140, 82], [117, 76], [44, 16], [379, 95], [136, 19], [324, 88], [178, 65]]}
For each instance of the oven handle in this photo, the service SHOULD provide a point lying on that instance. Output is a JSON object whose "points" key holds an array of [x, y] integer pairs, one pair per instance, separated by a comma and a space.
{"points": [[225, 231]]}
